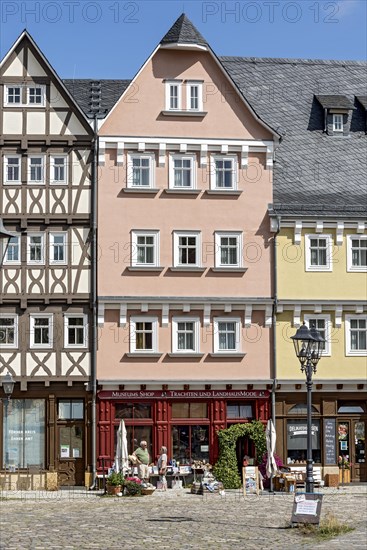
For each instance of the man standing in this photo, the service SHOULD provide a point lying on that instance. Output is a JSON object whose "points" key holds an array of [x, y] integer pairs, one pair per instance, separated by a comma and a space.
{"points": [[143, 457]]}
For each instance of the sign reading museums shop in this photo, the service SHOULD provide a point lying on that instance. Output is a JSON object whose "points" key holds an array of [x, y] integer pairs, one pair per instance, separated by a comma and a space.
{"points": [[184, 394]]}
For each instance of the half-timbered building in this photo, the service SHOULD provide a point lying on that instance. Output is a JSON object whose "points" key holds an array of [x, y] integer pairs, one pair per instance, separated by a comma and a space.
{"points": [[45, 283]]}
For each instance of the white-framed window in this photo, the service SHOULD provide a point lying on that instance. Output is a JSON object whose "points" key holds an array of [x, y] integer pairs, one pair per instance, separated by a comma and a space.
{"points": [[12, 255], [337, 123], [41, 330], [12, 169], [13, 95], [36, 96], [140, 170], [173, 95], [318, 252], [228, 249], [227, 335], [36, 169], [145, 248], [75, 330], [143, 334], [185, 334], [321, 323], [58, 169], [356, 334], [223, 172], [194, 95], [58, 248], [357, 252], [182, 172], [36, 248], [8, 331], [187, 248]]}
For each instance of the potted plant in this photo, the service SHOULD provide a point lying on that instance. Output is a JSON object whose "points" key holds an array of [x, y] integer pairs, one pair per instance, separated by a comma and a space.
{"points": [[133, 488], [115, 482]]}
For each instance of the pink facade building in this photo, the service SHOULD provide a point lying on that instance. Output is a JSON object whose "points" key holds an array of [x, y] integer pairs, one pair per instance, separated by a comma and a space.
{"points": [[184, 278]]}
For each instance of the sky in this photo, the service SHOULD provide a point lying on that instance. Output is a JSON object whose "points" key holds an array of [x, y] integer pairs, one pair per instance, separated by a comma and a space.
{"points": [[113, 38]]}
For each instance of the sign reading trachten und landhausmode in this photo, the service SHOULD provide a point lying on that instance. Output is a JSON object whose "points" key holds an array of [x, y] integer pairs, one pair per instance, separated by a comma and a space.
{"points": [[184, 394]]}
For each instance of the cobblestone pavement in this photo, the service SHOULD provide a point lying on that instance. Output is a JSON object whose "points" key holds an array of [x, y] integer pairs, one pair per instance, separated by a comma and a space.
{"points": [[78, 520]]}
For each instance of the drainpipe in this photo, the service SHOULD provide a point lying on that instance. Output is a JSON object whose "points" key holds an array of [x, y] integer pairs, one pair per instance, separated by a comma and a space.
{"points": [[94, 300], [325, 121]]}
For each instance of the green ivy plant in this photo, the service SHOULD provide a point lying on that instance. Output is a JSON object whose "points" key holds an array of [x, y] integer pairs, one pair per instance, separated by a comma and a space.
{"points": [[226, 469]]}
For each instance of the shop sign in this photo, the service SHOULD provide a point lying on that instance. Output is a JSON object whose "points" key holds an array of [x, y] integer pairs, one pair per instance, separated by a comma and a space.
{"points": [[300, 430], [307, 508], [184, 394]]}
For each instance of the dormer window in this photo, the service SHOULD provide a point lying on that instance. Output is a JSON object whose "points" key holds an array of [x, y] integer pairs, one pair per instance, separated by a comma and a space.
{"points": [[184, 98], [337, 123]]}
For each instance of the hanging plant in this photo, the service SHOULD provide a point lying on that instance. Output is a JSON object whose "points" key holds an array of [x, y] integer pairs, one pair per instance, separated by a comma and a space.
{"points": [[226, 469]]}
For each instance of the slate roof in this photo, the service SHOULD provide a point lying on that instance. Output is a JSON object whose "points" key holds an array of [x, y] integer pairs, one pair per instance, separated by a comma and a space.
{"points": [[314, 174], [184, 32], [363, 101], [81, 88], [334, 102]]}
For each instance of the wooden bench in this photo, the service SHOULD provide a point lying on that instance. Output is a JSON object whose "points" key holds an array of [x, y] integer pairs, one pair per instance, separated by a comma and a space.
{"points": [[300, 474]]}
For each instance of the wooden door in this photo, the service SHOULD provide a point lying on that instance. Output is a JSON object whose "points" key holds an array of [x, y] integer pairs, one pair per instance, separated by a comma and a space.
{"points": [[358, 448], [71, 454]]}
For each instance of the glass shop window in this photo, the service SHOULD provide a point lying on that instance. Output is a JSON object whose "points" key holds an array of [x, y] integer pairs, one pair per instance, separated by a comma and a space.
{"points": [[190, 443], [133, 410], [189, 410], [297, 441], [239, 410], [71, 409], [135, 434]]}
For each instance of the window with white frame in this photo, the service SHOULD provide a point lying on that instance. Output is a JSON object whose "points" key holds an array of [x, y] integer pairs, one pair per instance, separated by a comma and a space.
{"points": [[145, 248], [75, 330], [187, 248], [356, 334], [58, 169], [41, 330], [185, 335], [143, 334], [58, 248], [194, 95], [337, 123], [8, 331], [140, 171], [227, 335], [357, 252], [12, 255], [12, 169], [173, 95], [321, 323], [13, 95], [182, 172], [228, 249], [17, 95], [36, 248], [36, 95], [318, 252], [36, 169], [223, 172]]}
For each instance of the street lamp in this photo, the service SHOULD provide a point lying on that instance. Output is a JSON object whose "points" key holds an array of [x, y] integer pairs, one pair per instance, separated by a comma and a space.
{"points": [[8, 385], [5, 237], [308, 345]]}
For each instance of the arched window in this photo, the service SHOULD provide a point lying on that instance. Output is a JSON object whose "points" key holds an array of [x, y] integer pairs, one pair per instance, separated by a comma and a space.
{"points": [[301, 408]]}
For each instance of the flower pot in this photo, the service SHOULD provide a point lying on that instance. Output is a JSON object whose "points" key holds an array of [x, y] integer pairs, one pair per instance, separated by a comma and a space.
{"points": [[346, 476], [113, 489]]}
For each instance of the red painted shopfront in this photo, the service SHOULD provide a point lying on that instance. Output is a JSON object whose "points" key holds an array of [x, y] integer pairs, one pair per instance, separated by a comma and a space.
{"points": [[185, 421]]}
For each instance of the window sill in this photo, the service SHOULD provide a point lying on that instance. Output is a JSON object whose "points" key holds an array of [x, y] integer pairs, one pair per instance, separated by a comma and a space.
{"points": [[229, 269], [200, 114], [156, 268], [183, 191], [319, 269], [189, 269], [233, 192], [144, 354], [150, 190], [177, 355], [238, 355]]}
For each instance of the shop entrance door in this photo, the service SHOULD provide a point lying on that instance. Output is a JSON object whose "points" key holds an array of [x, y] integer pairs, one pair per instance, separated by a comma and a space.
{"points": [[359, 466], [244, 447], [70, 454]]}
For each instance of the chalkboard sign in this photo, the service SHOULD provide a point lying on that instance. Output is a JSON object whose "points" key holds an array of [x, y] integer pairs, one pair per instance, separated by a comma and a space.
{"points": [[330, 440]]}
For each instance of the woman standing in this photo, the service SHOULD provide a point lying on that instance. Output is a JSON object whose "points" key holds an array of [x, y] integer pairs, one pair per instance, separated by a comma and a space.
{"points": [[162, 468]]}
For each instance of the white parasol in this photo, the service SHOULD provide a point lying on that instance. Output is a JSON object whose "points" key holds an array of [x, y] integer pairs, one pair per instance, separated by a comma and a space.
{"points": [[271, 467], [121, 458]]}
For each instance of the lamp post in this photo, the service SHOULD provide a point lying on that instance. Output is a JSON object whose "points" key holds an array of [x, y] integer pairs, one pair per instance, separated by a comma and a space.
{"points": [[5, 237], [8, 387], [308, 348]]}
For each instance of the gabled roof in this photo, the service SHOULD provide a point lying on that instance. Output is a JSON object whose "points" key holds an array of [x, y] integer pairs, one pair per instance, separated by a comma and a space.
{"points": [[183, 32], [334, 102], [363, 101], [81, 90], [314, 174]]}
